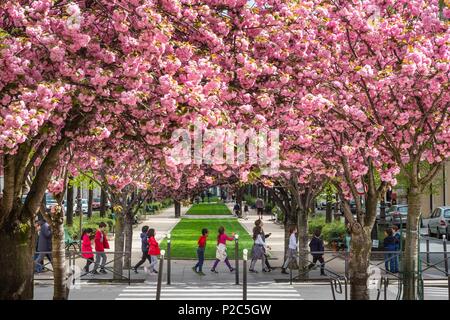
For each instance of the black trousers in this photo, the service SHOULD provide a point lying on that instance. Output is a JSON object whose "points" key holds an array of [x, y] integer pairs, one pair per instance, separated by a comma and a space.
{"points": [[145, 256], [322, 263]]}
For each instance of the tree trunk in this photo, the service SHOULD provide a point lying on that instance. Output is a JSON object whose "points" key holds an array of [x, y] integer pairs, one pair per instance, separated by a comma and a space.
{"points": [[328, 212], [177, 205], [79, 208], [102, 203], [60, 288], [119, 245], [69, 212], [303, 243], [361, 246], [410, 255], [90, 200], [17, 245], [128, 239], [239, 196]]}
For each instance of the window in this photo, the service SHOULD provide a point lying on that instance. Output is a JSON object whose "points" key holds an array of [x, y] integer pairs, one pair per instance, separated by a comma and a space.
{"points": [[447, 213]]}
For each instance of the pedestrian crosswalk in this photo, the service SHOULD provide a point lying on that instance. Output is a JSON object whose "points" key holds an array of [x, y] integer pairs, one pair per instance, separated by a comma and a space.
{"points": [[431, 293], [182, 291]]}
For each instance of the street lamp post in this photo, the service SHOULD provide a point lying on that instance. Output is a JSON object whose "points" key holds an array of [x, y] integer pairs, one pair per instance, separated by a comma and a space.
{"points": [[236, 253], [160, 272], [168, 258], [244, 276]]}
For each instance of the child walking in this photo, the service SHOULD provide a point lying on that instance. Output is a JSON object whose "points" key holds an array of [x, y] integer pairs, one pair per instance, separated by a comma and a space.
{"points": [[221, 252], [292, 249], [101, 243], [201, 252], [86, 248], [153, 250], [144, 248], [317, 249]]}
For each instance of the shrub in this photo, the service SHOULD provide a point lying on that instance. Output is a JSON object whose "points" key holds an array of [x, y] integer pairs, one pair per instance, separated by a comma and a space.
{"points": [[93, 222], [249, 200], [330, 231]]}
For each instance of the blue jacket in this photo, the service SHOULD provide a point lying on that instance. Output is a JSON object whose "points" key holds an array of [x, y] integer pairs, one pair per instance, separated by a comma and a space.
{"points": [[45, 238], [316, 246], [144, 242], [390, 243]]}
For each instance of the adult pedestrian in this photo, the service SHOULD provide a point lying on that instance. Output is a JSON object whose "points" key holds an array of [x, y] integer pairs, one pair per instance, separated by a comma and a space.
{"points": [[44, 243], [390, 248], [259, 203]]}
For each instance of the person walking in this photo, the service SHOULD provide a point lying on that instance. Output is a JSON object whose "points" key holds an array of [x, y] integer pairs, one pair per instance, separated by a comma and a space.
{"points": [[153, 250], [292, 249], [101, 243], [86, 248], [201, 252], [317, 249], [259, 203], [221, 252], [264, 236], [258, 250], [44, 244], [144, 248], [37, 265], [390, 246], [236, 209], [246, 211]]}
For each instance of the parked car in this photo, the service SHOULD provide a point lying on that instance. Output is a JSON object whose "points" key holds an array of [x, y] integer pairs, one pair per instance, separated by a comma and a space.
{"points": [[439, 222], [397, 214], [96, 204], [84, 205], [50, 202]]}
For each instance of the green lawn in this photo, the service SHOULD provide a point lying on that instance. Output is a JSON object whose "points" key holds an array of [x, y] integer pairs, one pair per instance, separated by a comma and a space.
{"points": [[186, 233], [209, 209]]}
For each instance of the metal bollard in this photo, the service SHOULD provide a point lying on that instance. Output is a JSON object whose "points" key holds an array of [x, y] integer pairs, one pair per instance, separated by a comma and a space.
{"points": [[169, 265], [236, 254], [427, 241], [160, 272], [444, 243], [244, 274]]}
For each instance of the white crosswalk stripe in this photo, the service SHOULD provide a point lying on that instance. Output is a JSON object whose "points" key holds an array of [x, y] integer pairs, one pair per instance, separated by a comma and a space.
{"points": [[212, 292], [436, 292]]}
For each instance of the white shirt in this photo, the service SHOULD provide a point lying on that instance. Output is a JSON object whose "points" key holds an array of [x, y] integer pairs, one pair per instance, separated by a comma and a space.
{"points": [[292, 241], [260, 241]]}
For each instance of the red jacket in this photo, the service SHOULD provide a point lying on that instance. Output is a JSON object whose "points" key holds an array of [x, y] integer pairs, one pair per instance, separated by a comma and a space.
{"points": [[202, 242], [86, 247], [153, 248], [99, 244]]}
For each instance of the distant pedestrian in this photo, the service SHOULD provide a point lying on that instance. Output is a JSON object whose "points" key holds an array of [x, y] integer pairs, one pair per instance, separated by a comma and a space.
{"points": [[292, 249], [44, 247], [86, 248], [317, 249], [101, 243], [236, 209], [221, 252], [246, 211], [37, 265], [390, 246], [201, 252], [259, 203], [144, 248], [153, 250]]}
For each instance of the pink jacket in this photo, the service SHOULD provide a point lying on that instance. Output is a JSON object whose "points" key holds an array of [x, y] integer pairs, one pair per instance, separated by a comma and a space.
{"points": [[223, 239]]}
